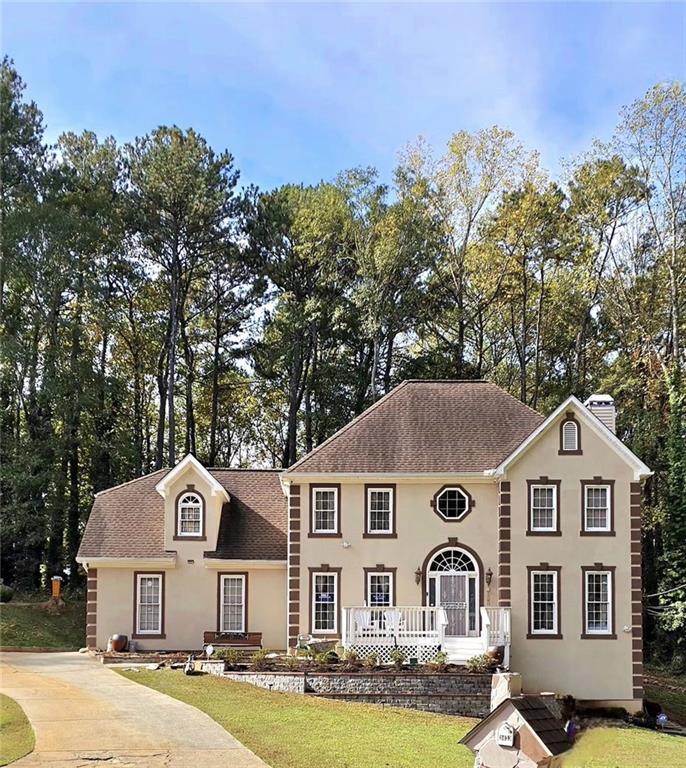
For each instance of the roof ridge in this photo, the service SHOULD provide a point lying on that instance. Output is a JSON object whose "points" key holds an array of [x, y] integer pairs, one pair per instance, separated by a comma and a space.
{"points": [[350, 424], [166, 470], [244, 469], [447, 381]]}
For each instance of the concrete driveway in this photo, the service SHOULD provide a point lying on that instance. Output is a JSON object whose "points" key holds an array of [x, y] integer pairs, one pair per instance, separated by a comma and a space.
{"points": [[83, 713]]}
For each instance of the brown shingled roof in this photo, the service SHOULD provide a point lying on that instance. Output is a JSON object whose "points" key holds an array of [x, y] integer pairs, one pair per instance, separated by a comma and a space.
{"points": [[128, 520], [428, 426]]}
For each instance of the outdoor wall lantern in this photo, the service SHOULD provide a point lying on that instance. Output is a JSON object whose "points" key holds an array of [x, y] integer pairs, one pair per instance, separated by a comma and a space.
{"points": [[418, 575], [489, 577]]}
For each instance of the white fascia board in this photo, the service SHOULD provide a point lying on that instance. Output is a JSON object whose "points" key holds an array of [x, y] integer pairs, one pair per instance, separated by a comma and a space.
{"points": [[219, 564], [190, 461], [399, 477], [162, 563], [640, 469]]}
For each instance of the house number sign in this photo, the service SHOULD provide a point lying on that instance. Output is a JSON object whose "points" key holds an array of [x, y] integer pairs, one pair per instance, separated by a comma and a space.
{"points": [[505, 735]]}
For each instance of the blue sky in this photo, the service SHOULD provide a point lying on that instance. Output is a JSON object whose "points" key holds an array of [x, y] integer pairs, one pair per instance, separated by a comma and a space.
{"points": [[299, 92]]}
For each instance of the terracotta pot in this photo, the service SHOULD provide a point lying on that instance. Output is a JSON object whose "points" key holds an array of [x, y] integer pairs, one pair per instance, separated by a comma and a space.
{"points": [[496, 652], [119, 643]]}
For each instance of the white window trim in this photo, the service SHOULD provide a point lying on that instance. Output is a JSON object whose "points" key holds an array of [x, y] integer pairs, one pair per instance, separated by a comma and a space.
{"points": [[610, 629], [391, 587], [224, 577], [464, 496], [566, 449], [538, 528], [607, 526], [160, 581], [316, 631], [313, 511], [190, 534], [391, 501], [556, 608]]}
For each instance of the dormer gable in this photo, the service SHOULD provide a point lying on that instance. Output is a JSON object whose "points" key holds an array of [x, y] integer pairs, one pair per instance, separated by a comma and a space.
{"points": [[193, 501]]}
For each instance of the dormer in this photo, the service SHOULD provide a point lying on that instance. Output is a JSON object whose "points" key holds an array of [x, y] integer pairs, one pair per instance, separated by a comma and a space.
{"points": [[193, 501]]}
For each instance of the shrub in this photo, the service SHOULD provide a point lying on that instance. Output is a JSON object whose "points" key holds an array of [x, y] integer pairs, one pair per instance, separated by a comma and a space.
{"points": [[439, 661], [259, 660], [292, 662], [398, 658], [6, 593], [230, 655], [351, 660], [321, 659], [371, 661], [480, 663]]}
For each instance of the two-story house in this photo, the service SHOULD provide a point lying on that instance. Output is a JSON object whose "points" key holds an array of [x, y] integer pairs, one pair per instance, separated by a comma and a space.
{"points": [[447, 516]]}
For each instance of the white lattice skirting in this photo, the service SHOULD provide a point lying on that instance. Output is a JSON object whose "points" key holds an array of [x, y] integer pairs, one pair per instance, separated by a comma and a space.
{"points": [[423, 653]]}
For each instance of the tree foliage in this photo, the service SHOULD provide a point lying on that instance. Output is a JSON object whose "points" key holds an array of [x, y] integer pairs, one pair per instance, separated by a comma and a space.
{"points": [[150, 306]]}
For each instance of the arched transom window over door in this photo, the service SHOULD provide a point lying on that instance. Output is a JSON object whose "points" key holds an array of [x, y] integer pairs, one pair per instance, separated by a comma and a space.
{"points": [[453, 584]]}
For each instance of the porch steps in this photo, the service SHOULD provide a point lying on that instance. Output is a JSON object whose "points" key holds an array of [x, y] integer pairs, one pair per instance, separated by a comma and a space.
{"points": [[464, 650]]}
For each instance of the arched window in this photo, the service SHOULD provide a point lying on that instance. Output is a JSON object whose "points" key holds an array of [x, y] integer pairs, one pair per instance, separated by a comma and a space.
{"points": [[189, 515], [452, 503], [569, 435], [452, 560]]}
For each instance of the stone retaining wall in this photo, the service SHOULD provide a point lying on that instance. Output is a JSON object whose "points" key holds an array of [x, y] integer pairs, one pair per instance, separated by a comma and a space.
{"points": [[447, 693]]}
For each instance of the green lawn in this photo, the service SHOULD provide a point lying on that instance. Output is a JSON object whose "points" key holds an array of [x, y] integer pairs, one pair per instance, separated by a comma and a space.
{"points": [[16, 735], [627, 748], [292, 731], [31, 626], [659, 687]]}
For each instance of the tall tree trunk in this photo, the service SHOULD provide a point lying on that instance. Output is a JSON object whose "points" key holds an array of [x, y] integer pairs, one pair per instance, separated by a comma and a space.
{"points": [[214, 405], [189, 361]]}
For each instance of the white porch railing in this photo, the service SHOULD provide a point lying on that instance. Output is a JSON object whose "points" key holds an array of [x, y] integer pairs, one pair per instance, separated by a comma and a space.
{"points": [[420, 632], [417, 630], [496, 629]]}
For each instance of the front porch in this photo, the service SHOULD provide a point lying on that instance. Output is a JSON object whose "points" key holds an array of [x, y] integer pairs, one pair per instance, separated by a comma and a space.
{"points": [[421, 632]]}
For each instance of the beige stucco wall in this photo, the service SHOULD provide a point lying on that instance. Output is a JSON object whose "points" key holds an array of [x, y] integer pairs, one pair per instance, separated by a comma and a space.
{"points": [[589, 669], [191, 605], [419, 530], [191, 586]]}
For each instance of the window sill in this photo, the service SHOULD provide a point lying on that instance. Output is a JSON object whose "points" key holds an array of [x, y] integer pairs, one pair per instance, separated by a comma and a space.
{"points": [[598, 636], [183, 537], [147, 636], [544, 533], [370, 535], [542, 636], [597, 533], [324, 535], [570, 453]]}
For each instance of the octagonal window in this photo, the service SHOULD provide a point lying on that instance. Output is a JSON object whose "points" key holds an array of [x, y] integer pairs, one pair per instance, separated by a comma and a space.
{"points": [[452, 503]]}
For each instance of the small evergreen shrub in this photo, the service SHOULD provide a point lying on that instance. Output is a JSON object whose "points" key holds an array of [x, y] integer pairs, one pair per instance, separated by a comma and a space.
{"points": [[259, 660], [351, 661], [398, 658], [480, 663], [371, 661], [231, 656], [439, 661], [292, 663]]}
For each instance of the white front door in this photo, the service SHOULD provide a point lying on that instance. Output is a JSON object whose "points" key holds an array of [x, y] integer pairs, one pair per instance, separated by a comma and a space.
{"points": [[456, 594]]}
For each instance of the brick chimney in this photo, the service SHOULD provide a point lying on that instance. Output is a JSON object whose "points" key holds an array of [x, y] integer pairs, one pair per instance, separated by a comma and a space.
{"points": [[603, 406]]}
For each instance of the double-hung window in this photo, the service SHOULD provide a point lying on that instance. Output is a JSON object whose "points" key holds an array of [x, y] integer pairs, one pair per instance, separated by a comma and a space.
{"points": [[149, 599], [543, 508], [232, 591], [380, 510], [544, 602], [379, 589], [597, 500], [325, 510], [598, 619], [325, 602], [189, 515]]}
